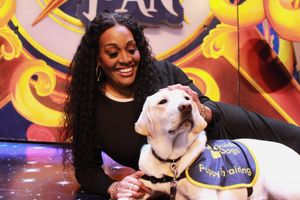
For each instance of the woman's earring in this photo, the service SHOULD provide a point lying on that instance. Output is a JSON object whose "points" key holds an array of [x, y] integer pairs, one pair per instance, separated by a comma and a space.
{"points": [[98, 72]]}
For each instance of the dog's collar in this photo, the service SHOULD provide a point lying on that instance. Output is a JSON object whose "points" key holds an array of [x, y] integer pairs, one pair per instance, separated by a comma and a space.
{"points": [[165, 160], [164, 179]]}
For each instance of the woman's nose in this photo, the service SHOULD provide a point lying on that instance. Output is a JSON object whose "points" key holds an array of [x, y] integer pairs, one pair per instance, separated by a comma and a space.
{"points": [[124, 57]]}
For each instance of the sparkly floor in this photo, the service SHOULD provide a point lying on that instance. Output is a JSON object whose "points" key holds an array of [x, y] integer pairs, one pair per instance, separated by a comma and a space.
{"points": [[33, 171]]}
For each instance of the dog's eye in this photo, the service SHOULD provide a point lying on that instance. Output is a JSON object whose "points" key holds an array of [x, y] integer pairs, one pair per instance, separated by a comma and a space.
{"points": [[163, 101], [187, 98]]}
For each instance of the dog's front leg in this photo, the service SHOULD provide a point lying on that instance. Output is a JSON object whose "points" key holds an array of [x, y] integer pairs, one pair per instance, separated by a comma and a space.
{"points": [[188, 191]]}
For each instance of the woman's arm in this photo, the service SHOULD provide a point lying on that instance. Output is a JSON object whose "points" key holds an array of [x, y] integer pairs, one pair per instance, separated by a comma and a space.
{"points": [[89, 172], [231, 121], [92, 177]]}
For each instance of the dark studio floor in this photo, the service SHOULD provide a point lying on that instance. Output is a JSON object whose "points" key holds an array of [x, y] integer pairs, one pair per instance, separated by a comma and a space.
{"points": [[34, 171]]}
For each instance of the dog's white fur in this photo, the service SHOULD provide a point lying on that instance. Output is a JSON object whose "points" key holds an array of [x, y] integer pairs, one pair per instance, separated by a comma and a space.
{"points": [[162, 122]]}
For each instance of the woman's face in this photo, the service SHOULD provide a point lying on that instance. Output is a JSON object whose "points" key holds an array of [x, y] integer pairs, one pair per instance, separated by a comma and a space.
{"points": [[119, 56]]}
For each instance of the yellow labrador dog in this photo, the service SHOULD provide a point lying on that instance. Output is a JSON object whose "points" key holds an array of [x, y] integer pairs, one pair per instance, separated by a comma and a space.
{"points": [[179, 160]]}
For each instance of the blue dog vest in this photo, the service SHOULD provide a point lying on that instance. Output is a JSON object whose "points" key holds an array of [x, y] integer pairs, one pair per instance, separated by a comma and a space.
{"points": [[224, 164]]}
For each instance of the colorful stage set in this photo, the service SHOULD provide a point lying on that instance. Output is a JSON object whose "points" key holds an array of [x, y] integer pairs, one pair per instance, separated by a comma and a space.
{"points": [[237, 51]]}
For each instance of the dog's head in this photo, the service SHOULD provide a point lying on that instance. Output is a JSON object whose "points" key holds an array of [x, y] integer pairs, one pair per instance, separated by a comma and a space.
{"points": [[171, 121]]}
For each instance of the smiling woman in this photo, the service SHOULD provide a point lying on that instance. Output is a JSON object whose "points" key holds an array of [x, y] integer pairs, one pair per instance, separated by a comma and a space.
{"points": [[102, 107], [113, 72]]}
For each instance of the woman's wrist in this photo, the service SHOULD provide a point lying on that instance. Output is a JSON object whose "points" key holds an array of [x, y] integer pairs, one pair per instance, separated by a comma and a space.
{"points": [[112, 190], [206, 113]]}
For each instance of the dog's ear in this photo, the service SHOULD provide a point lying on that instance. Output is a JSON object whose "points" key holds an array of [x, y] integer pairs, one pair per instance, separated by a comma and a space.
{"points": [[144, 124]]}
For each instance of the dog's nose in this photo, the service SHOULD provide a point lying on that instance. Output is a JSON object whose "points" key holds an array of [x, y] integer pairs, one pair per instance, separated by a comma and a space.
{"points": [[185, 108]]}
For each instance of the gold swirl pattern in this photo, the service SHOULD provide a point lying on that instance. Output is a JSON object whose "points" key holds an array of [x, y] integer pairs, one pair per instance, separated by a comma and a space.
{"points": [[251, 12], [11, 47], [7, 9], [23, 99], [284, 18], [218, 42]]}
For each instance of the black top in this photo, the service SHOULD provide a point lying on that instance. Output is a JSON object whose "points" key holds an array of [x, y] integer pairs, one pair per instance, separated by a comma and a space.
{"points": [[115, 135], [115, 129]]}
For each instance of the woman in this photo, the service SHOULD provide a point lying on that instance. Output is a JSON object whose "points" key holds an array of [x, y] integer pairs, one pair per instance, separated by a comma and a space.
{"points": [[113, 72]]}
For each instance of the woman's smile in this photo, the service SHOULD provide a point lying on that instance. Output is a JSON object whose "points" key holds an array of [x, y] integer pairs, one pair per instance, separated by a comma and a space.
{"points": [[126, 72]]}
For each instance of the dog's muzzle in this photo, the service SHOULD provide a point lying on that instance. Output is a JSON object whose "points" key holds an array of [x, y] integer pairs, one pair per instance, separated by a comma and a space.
{"points": [[185, 108], [185, 115]]}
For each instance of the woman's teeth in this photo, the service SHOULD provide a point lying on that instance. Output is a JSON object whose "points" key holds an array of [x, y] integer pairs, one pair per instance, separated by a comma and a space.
{"points": [[125, 70]]}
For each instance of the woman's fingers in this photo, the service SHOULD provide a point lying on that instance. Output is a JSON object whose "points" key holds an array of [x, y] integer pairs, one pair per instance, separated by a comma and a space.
{"points": [[134, 190], [185, 88], [178, 86], [134, 181], [124, 195], [138, 174], [145, 189], [137, 195], [139, 184], [132, 185]]}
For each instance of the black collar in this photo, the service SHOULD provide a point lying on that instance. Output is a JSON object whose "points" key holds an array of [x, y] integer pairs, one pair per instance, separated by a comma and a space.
{"points": [[164, 160], [163, 179]]}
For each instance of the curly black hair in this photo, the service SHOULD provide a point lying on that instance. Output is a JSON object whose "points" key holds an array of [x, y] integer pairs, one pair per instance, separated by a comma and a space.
{"points": [[83, 85]]}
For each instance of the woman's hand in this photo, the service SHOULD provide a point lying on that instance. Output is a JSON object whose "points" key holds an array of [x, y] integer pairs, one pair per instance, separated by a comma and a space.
{"points": [[204, 111], [130, 187], [187, 89]]}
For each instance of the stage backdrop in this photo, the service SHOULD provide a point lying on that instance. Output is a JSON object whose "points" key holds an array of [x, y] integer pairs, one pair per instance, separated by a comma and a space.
{"points": [[236, 51]]}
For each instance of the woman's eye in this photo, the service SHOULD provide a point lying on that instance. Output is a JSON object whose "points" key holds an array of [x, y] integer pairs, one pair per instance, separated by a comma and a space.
{"points": [[163, 101], [187, 98], [132, 51], [113, 54]]}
